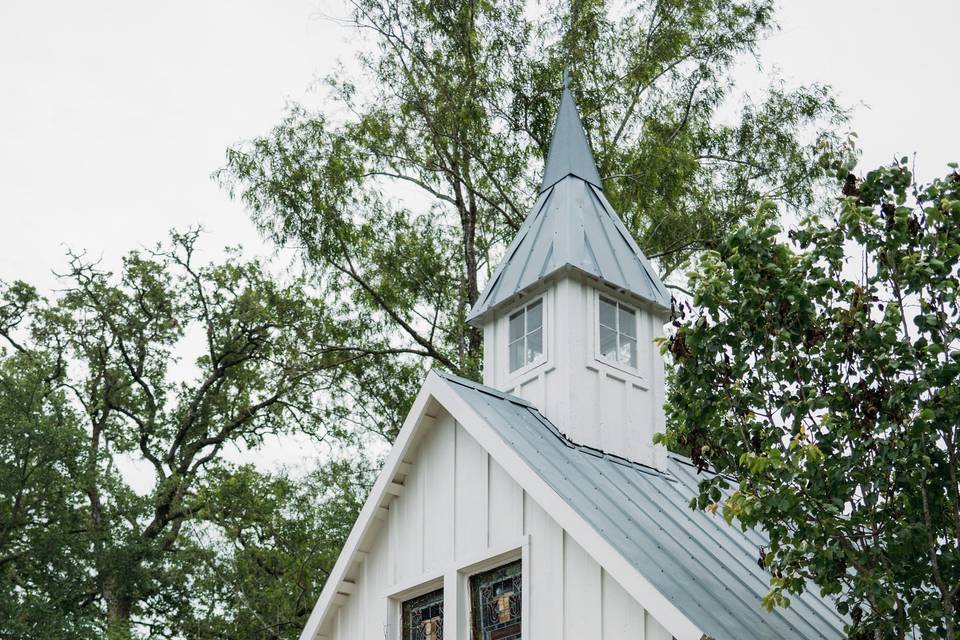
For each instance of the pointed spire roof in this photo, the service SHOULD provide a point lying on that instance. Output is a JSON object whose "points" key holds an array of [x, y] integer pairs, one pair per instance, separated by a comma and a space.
{"points": [[569, 150], [572, 226]]}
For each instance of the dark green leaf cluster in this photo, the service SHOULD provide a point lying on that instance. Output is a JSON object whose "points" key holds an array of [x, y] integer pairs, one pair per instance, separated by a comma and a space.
{"points": [[121, 400], [817, 372]]}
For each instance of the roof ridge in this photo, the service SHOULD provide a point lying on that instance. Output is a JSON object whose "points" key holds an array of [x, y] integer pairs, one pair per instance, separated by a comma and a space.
{"points": [[482, 388], [552, 428]]}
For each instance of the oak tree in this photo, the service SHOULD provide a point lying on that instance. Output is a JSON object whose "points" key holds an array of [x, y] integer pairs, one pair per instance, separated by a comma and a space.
{"points": [[169, 366]]}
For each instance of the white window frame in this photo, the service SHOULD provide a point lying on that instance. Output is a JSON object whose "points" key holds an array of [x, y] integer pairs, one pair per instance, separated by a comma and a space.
{"points": [[455, 581], [598, 354], [415, 589], [536, 362]]}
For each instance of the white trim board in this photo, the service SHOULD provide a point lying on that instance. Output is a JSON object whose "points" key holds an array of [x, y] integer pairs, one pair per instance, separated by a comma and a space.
{"points": [[437, 389]]}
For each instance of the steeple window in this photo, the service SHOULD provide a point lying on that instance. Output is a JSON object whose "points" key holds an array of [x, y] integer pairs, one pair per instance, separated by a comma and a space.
{"points": [[618, 332], [525, 342]]}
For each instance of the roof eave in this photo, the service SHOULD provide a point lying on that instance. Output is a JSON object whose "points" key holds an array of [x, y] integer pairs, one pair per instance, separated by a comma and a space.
{"points": [[479, 316]]}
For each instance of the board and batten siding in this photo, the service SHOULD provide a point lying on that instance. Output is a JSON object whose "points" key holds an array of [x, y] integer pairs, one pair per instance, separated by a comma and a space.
{"points": [[590, 399], [458, 506]]}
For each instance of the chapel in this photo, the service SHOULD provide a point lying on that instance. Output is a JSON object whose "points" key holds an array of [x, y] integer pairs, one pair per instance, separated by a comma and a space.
{"points": [[535, 506]]}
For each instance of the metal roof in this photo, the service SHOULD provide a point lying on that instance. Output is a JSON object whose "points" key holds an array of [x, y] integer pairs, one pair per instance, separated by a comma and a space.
{"points": [[708, 569], [571, 225], [569, 150]]}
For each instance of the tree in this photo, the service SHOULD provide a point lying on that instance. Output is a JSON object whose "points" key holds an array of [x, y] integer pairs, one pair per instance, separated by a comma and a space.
{"points": [[270, 542], [824, 395], [93, 380], [40, 552], [455, 108]]}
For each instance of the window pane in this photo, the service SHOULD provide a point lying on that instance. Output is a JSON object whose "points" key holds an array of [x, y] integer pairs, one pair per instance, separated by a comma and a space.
{"points": [[495, 598], [628, 322], [516, 326], [516, 354], [535, 316], [628, 351], [423, 617], [608, 342], [608, 313], [534, 345]]}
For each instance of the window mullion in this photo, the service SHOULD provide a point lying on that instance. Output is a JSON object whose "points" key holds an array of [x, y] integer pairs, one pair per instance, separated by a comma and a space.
{"points": [[619, 334]]}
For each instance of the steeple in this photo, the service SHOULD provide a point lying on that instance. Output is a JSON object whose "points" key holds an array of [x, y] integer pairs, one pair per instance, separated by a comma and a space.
{"points": [[569, 152], [572, 225], [570, 316]]}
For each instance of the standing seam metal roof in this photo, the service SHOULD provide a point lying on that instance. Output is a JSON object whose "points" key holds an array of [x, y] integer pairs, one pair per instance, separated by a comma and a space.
{"points": [[571, 225], [707, 568], [569, 152]]}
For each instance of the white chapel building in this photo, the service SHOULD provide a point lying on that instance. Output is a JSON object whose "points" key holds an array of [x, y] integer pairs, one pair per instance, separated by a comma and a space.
{"points": [[535, 506]]}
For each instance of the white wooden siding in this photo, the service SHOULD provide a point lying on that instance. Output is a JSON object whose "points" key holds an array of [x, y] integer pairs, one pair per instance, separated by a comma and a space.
{"points": [[458, 506], [591, 400]]}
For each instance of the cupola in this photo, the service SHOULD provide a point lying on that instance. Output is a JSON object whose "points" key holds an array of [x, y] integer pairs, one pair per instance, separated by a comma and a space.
{"points": [[570, 316]]}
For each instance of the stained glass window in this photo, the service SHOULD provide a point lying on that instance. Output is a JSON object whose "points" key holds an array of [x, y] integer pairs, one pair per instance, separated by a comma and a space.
{"points": [[526, 335], [423, 617], [495, 603], [618, 332]]}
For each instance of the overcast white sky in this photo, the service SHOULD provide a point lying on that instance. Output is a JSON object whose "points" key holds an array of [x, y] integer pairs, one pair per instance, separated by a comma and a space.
{"points": [[114, 113]]}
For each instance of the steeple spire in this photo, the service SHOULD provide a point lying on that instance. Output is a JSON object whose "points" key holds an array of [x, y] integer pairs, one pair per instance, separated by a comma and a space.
{"points": [[570, 316], [569, 150], [572, 227]]}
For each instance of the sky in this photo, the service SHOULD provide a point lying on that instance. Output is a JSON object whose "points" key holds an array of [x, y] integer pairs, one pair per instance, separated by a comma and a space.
{"points": [[115, 113], [895, 61]]}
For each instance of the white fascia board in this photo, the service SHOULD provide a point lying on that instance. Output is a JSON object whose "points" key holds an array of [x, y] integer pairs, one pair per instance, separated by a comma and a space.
{"points": [[666, 613], [369, 514]]}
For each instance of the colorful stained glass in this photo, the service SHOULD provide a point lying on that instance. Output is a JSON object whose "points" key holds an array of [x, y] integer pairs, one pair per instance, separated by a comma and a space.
{"points": [[496, 603], [423, 617]]}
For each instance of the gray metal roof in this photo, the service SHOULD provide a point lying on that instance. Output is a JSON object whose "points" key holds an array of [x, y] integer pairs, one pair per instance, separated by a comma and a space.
{"points": [[571, 226], [569, 152], [707, 568]]}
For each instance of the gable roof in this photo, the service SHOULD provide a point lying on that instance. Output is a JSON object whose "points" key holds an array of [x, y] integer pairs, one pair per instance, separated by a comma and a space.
{"points": [[696, 575], [572, 225], [705, 567], [442, 390]]}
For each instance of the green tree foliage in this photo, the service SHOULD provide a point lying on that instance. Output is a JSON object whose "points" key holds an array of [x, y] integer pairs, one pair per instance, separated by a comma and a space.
{"points": [[93, 380], [819, 370], [270, 543], [454, 108], [41, 554]]}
